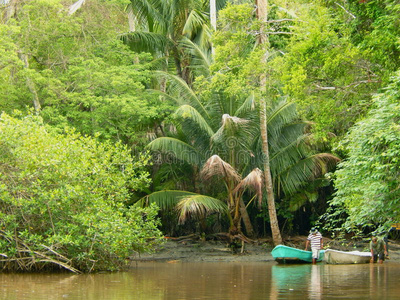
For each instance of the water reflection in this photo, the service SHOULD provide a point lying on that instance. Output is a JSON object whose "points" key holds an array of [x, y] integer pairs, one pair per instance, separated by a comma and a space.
{"points": [[262, 280], [147, 281], [315, 285], [301, 281], [377, 281], [323, 281], [294, 281]]}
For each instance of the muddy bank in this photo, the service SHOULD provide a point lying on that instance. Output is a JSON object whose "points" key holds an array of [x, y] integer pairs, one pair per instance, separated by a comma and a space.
{"points": [[189, 250], [209, 251]]}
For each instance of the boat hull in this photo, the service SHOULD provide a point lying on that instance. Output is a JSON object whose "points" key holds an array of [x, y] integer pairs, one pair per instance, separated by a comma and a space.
{"points": [[288, 255], [336, 257]]}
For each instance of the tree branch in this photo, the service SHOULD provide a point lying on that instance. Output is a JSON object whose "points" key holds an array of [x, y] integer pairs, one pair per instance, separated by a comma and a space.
{"points": [[281, 20], [279, 32], [349, 13], [354, 84]]}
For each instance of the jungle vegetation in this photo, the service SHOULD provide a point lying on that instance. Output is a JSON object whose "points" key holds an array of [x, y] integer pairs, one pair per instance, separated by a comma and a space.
{"points": [[125, 121]]}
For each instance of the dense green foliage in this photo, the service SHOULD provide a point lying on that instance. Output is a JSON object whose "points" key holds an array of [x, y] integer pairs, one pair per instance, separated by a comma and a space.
{"points": [[117, 70], [367, 181], [63, 198], [375, 29], [80, 73], [324, 72]]}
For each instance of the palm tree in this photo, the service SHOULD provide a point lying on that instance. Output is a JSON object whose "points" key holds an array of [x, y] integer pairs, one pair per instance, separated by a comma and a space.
{"points": [[211, 140], [262, 15], [223, 131], [215, 166], [177, 32]]}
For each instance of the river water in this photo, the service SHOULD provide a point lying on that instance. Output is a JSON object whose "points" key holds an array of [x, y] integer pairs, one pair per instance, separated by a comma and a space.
{"points": [[203, 280]]}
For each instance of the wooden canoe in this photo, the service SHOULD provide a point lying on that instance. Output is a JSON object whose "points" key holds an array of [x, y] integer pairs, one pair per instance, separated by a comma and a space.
{"points": [[285, 254], [346, 257]]}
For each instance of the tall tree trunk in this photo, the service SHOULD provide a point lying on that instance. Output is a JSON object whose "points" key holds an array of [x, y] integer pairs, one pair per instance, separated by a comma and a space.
{"points": [[213, 14], [31, 85], [262, 15], [131, 19], [9, 12], [213, 20]]}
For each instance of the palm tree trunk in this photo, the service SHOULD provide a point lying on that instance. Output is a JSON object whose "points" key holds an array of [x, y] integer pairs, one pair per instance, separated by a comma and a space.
{"points": [[262, 15], [246, 219], [276, 234]]}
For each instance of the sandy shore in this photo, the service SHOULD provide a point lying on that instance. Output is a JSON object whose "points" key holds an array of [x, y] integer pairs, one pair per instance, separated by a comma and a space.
{"points": [[218, 251]]}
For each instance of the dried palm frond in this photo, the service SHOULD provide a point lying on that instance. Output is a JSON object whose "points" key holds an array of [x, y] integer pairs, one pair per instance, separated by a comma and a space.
{"points": [[215, 166], [324, 162], [227, 118], [253, 180]]}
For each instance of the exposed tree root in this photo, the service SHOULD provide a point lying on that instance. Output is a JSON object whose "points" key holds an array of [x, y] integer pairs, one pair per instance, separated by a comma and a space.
{"points": [[27, 260]]}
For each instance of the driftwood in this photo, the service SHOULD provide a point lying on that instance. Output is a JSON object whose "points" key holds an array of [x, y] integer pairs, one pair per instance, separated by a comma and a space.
{"points": [[192, 236], [235, 241], [220, 236]]}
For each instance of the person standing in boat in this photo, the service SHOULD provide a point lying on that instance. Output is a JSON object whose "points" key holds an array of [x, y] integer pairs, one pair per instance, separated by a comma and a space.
{"points": [[315, 240], [378, 250]]}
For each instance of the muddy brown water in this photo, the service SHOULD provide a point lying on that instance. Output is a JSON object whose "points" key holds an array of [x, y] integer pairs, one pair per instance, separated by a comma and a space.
{"points": [[212, 280]]}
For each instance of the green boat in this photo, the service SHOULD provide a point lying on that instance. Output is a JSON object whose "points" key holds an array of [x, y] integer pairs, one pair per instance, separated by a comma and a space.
{"points": [[286, 255]]}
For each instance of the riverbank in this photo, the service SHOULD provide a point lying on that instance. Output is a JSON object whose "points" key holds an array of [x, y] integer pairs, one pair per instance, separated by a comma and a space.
{"points": [[189, 250]]}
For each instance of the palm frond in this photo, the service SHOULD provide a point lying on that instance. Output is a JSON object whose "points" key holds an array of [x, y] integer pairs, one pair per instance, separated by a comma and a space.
{"points": [[288, 133], [233, 135], [146, 41], [298, 200], [287, 153], [194, 23], [215, 106], [324, 162], [173, 177], [248, 105], [174, 99], [159, 63], [280, 115], [300, 173], [179, 9], [185, 94], [200, 206], [203, 38], [165, 200], [201, 58], [150, 14], [254, 181], [295, 176], [189, 112], [230, 127], [176, 148], [215, 166]]}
